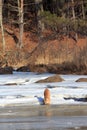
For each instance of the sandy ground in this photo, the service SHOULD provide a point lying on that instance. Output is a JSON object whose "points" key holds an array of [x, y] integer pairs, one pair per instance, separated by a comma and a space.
{"points": [[53, 117]]}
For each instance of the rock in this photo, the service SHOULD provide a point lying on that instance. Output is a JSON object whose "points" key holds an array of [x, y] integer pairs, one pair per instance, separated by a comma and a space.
{"points": [[23, 69], [38, 68], [6, 70], [82, 80], [55, 78], [11, 84]]}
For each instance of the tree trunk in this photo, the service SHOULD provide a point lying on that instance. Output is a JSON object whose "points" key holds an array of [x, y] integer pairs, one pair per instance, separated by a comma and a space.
{"points": [[83, 10], [1, 24], [73, 11], [40, 24], [74, 18], [21, 22]]}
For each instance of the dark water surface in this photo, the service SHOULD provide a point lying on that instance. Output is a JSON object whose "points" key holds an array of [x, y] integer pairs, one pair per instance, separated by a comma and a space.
{"points": [[63, 117]]}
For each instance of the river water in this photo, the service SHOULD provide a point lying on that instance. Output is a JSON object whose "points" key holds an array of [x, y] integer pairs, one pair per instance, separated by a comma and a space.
{"points": [[21, 88], [21, 98], [54, 117]]}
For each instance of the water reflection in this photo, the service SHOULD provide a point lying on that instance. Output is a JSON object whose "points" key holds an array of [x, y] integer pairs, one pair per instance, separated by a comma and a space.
{"points": [[44, 117]]}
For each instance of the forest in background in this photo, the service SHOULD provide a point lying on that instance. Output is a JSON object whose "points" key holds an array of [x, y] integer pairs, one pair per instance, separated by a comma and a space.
{"points": [[43, 32]]}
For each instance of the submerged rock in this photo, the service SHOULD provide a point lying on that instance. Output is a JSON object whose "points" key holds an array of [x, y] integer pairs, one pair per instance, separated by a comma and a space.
{"points": [[55, 78], [82, 80], [80, 99]]}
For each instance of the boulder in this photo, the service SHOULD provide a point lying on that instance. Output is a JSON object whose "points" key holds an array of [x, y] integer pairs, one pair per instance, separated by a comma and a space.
{"points": [[55, 78], [38, 68], [6, 70], [81, 80], [23, 69]]}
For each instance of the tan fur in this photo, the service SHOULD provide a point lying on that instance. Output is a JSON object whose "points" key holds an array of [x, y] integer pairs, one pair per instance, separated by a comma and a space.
{"points": [[46, 96]]}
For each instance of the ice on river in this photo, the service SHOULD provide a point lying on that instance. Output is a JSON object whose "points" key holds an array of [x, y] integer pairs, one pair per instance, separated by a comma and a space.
{"points": [[20, 88]]}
